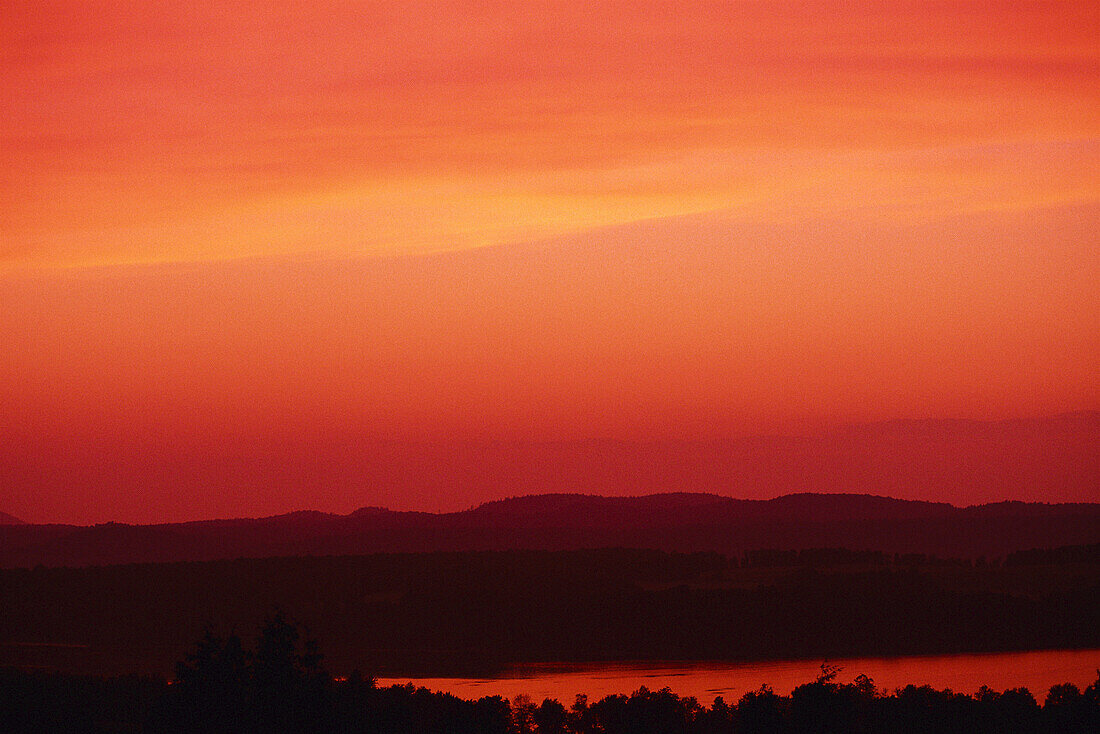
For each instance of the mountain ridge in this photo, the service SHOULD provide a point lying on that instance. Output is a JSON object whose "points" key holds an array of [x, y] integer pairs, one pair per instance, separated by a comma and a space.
{"points": [[957, 460], [560, 521], [540, 502]]}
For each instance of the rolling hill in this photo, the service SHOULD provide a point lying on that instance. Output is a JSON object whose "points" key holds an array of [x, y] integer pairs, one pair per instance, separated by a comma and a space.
{"points": [[671, 522]]}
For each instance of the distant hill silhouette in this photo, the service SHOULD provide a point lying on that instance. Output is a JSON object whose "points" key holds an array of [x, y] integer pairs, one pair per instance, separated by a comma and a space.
{"points": [[6, 519], [675, 522], [1053, 459]]}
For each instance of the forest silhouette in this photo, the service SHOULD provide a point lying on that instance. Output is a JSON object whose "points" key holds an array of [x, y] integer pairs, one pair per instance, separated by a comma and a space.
{"points": [[475, 614], [279, 684]]}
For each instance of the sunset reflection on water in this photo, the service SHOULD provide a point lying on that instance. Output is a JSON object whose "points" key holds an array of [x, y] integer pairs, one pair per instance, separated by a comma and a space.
{"points": [[1037, 671]]}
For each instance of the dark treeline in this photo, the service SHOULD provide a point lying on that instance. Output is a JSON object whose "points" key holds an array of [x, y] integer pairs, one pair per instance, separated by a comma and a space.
{"points": [[279, 685], [1070, 554], [478, 613]]}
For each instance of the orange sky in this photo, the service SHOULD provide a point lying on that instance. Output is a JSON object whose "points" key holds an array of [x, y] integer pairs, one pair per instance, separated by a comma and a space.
{"points": [[540, 220]]}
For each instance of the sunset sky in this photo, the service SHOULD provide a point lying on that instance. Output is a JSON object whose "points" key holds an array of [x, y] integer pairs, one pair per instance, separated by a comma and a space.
{"points": [[255, 229]]}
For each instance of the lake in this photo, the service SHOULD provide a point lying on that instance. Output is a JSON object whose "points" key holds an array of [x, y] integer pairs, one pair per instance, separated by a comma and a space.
{"points": [[1037, 671]]}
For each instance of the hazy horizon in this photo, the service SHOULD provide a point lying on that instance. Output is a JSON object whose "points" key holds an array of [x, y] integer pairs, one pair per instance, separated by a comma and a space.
{"points": [[857, 458]]}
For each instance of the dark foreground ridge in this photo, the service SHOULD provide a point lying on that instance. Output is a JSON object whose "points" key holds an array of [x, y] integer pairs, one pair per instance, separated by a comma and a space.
{"points": [[280, 685], [478, 613], [671, 522]]}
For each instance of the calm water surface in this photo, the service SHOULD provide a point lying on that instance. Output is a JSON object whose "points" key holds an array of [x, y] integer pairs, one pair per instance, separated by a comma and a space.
{"points": [[1037, 671]]}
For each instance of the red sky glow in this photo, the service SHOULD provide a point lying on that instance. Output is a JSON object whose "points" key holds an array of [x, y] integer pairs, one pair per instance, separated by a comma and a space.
{"points": [[247, 240]]}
